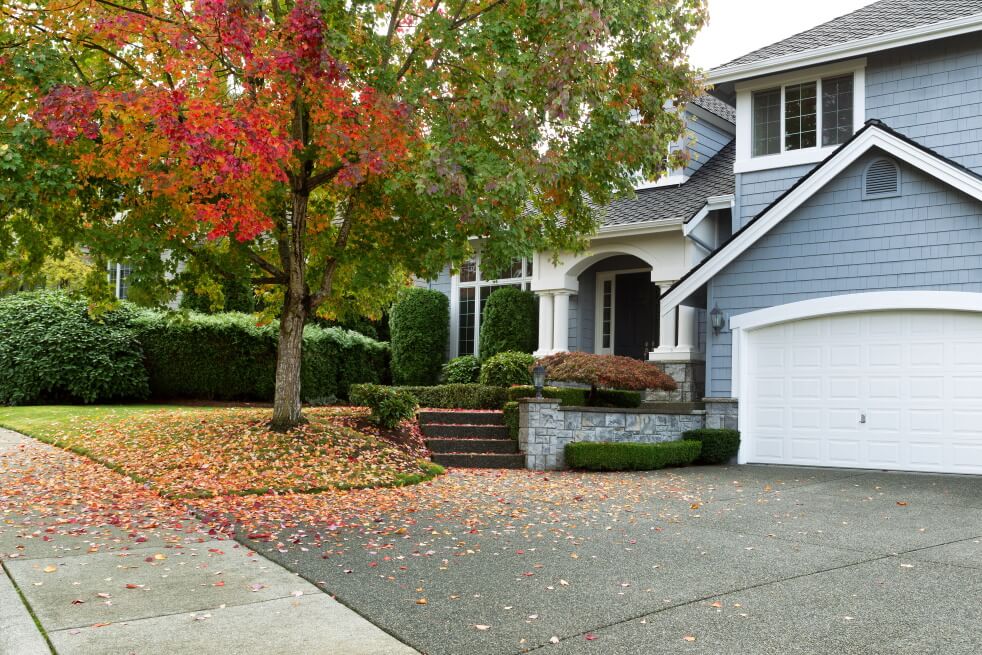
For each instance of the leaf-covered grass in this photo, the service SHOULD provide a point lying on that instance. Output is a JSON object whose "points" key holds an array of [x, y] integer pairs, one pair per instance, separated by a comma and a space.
{"points": [[194, 452]]}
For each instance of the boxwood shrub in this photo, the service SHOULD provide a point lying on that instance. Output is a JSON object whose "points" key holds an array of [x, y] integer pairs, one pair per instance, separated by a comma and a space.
{"points": [[511, 418], [462, 370], [507, 369], [614, 456], [419, 326], [509, 322], [52, 350], [390, 406], [454, 396], [719, 446], [230, 357]]}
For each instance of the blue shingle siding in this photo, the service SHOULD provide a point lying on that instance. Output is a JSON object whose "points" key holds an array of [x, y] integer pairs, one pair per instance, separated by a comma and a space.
{"points": [[705, 140], [930, 237], [758, 189], [932, 93]]}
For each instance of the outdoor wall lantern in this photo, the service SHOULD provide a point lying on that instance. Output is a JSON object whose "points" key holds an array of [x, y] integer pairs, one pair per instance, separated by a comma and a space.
{"points": [[717, 319], [539, 379]]}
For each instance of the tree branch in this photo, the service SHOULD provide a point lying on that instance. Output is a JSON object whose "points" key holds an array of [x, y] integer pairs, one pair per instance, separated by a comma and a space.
{"points": [[327, 281], [323, 177], [259, 261]]}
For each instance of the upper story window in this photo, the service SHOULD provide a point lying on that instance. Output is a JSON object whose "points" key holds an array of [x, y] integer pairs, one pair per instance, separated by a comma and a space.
{"points": [[800, 117], [119, 279]]}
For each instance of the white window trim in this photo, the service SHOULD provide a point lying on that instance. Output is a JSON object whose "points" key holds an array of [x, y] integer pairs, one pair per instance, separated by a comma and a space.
{"points": [[872, 137], [746, 162], [114, 273], [456, 285]]}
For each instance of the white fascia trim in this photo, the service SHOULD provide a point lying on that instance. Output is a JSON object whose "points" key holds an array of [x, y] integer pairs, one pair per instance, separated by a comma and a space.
{"points": [[877, 43], [633, 229], [872, 137], [713, 203], [720, 202], [874, 301], [674, 179]]}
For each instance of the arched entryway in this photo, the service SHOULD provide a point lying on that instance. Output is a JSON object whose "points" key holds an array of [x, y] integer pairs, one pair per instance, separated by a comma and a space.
{"points": [[617, 308]]}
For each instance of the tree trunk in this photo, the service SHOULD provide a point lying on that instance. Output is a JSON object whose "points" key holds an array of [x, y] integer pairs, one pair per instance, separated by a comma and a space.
{"points": [[286, 400]]}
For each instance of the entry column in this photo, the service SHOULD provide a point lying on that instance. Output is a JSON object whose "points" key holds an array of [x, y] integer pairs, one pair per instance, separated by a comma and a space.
{"points": [[545, 323]]}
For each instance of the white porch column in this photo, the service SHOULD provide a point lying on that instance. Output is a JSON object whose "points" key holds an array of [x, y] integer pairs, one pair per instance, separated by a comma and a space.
{"points": [[666, 328], [545, 324], [560, 321], [687, 329]]}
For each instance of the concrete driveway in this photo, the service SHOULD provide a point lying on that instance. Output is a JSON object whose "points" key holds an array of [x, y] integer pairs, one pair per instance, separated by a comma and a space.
{"points": [[744, 560]]}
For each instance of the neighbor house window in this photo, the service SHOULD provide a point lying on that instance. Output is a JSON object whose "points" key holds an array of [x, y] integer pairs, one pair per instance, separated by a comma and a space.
{"points": [[803, 115], [119, 279], [474, 287]]}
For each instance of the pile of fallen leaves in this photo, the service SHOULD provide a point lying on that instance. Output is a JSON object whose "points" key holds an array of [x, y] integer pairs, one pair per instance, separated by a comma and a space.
{"points": [[219, 452]]}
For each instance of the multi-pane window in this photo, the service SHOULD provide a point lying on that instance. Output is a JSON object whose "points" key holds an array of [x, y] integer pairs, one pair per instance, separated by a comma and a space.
{"points": [[836, 110], [474, 287], [119, 279], [606, 329], [800, 116], [803, 115], [767, 122]]}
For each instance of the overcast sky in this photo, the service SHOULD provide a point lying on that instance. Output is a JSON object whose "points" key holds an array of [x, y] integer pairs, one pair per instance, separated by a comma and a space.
{"points": [[737, 27]]}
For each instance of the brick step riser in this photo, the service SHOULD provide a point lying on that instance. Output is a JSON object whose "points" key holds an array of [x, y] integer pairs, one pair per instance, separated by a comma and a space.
{"points": [[462, 417], [479, 446], [480, 461], [465, 431]]}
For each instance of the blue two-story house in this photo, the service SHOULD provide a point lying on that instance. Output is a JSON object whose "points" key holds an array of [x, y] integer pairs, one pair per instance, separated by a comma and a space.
{"points": [[815, 273]]}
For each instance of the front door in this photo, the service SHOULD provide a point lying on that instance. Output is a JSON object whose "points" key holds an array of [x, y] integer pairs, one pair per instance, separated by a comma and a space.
{"points": [[633, 310]]}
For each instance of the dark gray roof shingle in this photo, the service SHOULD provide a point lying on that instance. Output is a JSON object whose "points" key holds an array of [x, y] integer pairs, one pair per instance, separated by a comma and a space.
{"points": [[682, 201], [875, 19], [714, 105]]}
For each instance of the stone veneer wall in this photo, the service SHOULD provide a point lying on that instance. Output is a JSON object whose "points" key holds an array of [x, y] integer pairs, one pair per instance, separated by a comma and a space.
{"points": [[690, 382], [545, 428], [721, 413]]}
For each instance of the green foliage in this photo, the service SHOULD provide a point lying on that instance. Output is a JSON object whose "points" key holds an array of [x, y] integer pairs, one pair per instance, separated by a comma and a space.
{"points": [[507, 369], [230, 357], [462, 370], [509, 322], [606, 371], [419, 324], [511, 418], [459, 396], [616, 456], [390, 406], [234, 296], [719, 446], [51, 349], [579, 397]]}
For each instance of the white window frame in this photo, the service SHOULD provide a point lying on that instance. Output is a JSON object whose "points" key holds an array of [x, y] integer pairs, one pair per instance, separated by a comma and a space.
{"points": [[114, 273], [746, 162], [525, 281]]}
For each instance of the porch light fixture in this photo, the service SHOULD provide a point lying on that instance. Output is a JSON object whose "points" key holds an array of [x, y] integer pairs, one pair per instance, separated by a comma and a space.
{"points": [[539, 379], [716, 319]]}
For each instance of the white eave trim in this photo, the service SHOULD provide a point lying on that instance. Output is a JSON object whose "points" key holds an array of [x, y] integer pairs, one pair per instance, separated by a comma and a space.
{"points": [[645, 227], [856, 48], [847, 154], [875, 301], [713, 203]]}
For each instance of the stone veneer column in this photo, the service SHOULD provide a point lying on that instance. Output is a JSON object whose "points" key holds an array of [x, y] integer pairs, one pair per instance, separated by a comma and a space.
{"points": [[541, 434]]}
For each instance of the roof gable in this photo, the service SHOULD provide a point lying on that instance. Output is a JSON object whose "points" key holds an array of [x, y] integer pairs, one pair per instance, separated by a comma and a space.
{"points": [[874, 135]]}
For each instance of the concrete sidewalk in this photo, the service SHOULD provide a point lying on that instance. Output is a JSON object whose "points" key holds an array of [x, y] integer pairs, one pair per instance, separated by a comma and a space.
{"points": [[181, 589]]}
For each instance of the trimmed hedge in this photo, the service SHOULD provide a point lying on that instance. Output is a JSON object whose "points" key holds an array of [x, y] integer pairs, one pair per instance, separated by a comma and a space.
{"points": [[613, 456], [229, 357], [420, 327], [462, 370], [511, 418], [390, 406], [719, 446], [507, 369], [509, 322], [457, 396], [578, 397], [52, 350]]}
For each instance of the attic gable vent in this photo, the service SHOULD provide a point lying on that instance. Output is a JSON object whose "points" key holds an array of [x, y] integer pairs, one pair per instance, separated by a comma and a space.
{"points": [[882, 179]]}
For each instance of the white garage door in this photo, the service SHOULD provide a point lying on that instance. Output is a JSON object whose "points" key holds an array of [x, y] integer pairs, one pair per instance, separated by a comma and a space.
{"points": [[886, 390]]}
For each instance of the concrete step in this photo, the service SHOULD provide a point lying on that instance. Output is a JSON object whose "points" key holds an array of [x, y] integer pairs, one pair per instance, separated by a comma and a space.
{"points": [[460, 417], [464, 431], [501, 446], [479, 460], [673, 408]]}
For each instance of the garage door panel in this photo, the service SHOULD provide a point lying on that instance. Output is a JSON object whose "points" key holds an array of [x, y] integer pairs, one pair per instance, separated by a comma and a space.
{"points": [[916, 376]]}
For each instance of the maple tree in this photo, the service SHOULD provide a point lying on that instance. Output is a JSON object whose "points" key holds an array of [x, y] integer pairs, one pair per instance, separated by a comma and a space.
{"points": [[325, 150]]}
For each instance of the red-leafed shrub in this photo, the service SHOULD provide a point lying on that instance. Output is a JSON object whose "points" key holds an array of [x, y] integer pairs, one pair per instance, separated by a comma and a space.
{"points": [[609, 371]]}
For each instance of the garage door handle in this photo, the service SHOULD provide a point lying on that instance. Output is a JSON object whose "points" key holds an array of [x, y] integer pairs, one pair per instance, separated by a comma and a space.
{"points": [[862, 418]]}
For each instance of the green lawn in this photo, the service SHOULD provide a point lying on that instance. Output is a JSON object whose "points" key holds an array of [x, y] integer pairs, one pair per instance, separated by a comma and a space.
{"points": [[48, 421]]}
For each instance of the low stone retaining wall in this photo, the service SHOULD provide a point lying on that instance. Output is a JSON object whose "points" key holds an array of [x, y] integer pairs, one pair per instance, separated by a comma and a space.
{"points": [[545, 428]]}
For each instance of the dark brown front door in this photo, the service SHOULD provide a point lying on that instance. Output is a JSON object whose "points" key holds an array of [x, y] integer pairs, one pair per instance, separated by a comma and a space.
{"points": [[635, 306]]}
